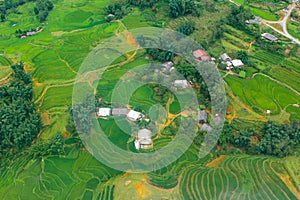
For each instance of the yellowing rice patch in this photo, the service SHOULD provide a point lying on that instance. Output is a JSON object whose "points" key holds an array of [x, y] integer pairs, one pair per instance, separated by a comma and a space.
{"points": [[216, 162]]}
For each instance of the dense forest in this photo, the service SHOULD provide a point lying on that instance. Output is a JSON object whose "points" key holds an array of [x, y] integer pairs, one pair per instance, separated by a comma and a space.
{"points": [[41, 9], [20, 121], [274, 139]]}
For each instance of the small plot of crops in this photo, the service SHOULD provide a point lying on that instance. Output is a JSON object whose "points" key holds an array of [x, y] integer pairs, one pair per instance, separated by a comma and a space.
{"points": [[238, 177]]}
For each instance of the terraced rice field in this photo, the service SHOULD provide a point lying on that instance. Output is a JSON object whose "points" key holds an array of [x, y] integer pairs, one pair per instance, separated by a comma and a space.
{"points": [[78, 175], [238, 177], [262, 93]]}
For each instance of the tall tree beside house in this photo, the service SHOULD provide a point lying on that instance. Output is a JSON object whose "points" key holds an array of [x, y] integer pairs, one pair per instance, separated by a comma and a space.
{"points": [[243, 56], [20, 121], [238, 16]]}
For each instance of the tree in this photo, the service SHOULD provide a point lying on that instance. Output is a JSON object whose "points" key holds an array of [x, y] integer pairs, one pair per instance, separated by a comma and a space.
{"points": [[2, 17], [243, 138], [238, 16], [243, 56], [186, 27], [176, 8], [227, 135], [20, 122], [279, 140]]}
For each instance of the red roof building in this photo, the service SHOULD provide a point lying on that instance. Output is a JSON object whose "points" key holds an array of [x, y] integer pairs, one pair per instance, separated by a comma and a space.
{"points": [[201, 55]]}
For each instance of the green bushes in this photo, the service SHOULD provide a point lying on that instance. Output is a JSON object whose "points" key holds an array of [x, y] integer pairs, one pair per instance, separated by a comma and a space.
{"points": [[20, 122]]}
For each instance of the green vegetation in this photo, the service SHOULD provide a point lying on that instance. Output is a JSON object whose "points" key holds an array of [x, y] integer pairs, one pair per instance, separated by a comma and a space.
{"points": [[236, 177], [20, 122], [292, 166], [261, 93], [55, 165]]}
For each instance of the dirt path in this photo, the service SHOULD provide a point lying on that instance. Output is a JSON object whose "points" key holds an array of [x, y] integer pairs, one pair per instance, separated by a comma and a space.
{"points": [[283, 23]]}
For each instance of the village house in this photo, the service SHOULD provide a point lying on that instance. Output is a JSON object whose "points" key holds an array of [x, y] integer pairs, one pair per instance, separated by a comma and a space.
{"points": [[217, 120], [269, 37], [181, 83], [143, 140], [167, 66], [120, 111], [206, 127], [134, 115], [201, 55], [104, 112], [202, 116], [225, 57], [256, 20], [237, 63]]}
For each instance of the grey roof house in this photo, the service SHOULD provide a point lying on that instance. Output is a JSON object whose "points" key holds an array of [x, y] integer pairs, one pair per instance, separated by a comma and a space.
{"points": [[225, 57], [270, 37], [206, 127], [120, 111], [202, 116]]}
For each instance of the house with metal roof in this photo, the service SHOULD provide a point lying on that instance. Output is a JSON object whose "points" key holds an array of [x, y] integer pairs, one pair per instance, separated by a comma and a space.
{"points": [[181, 83], [120, 111], [143, 140], [206, 127], [104, 112], [270, 37], [202, 116], [134, 115]]}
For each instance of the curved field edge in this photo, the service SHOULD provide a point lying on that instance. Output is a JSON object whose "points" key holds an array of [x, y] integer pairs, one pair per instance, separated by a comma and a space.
{"points": [[238, 177], [76, 175]]}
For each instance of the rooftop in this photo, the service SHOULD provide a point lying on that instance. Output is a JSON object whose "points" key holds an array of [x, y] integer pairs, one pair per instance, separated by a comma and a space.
{"points": [[103, 112], [181, 83], [120, 111], [269, 36], [237, 63], [202, 116], [201, 55]]}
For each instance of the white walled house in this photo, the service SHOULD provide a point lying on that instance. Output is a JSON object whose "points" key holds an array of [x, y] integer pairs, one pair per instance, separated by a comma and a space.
{"points": [[134, 115], [104, 112]]}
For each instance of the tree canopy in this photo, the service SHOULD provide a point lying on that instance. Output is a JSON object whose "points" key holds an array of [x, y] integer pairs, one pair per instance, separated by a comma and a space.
{"points": [[20, 121]]}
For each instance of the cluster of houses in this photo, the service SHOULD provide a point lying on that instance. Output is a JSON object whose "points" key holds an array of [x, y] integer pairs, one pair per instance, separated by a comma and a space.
{"points": [[31, 33], [143, 140], [203, 119], [168, 67], [132, 115], [229, 62], [267, 36]]}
